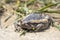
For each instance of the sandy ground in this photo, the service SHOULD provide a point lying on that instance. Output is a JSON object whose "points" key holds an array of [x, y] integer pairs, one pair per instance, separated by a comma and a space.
{"points": [[49, 34], [8, 33]]}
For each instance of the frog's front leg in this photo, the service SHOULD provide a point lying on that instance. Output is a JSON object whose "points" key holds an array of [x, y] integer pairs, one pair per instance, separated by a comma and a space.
{"points": [[39, 27]]}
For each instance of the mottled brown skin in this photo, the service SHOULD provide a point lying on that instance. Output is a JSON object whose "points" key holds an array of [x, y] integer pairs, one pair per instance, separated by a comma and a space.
{"points": [[35, 24]]}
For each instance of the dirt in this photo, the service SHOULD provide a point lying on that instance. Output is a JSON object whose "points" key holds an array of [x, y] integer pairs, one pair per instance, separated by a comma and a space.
{"points": [[9, 34]]}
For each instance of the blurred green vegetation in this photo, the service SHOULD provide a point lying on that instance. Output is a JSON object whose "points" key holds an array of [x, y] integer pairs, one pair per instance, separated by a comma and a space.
{"points": [[58, 27], [25, 7], [46, 5]]}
